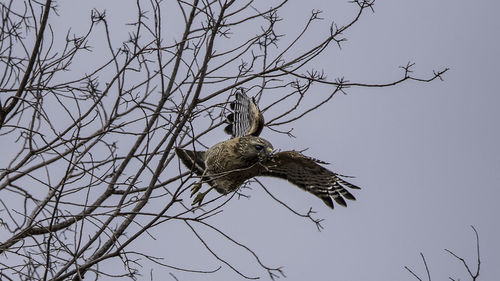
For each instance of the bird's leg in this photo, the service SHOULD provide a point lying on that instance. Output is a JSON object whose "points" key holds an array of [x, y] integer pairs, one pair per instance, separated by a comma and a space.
{"points": [[196, 187], [199, 197]]}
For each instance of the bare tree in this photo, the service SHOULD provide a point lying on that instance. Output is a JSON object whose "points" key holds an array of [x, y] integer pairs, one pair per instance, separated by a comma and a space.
{"points": [[90, 145], [472, 274]]}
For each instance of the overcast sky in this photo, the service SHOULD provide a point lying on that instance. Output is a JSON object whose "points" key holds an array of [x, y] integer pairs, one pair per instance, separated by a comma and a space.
{"points": [[427, 156]]}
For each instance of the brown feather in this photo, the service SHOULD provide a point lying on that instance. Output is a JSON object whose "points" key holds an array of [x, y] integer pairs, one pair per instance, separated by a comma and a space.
{"points": [[194, 160], [307, 174]]}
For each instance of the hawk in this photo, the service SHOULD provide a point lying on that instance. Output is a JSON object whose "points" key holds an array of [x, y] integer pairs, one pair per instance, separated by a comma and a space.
{"points": [[228, 164]]}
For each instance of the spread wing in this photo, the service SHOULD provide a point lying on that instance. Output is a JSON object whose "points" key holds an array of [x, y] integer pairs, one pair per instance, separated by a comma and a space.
{"points": [[306, 173], [193, 160], [246, 118]]}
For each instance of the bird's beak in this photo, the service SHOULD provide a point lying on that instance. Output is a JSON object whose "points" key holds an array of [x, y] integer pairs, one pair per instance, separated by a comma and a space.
{"points": [[269, 150]]}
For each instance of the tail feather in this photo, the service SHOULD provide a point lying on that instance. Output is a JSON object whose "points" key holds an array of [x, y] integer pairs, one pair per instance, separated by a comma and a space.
{"points": [[193, 160]]}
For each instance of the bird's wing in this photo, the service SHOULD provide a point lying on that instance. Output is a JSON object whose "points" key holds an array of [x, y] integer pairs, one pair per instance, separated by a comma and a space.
{"points": [[246, 118], [193, 160], [306, 173]]}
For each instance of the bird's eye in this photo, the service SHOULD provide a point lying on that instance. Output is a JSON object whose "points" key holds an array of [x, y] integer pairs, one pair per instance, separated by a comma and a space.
{"points": [[259, 147]]}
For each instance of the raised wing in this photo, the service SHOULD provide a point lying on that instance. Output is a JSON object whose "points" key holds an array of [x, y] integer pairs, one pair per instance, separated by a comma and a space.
{"points": [[306, 173], [246, 118]]}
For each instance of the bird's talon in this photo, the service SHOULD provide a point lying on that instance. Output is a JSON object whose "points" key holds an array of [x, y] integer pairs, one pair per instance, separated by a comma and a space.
{"points": [[198, 199], [195, 188]]}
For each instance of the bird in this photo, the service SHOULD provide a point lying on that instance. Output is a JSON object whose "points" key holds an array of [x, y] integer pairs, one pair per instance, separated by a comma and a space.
{"points": [[228, 164]]}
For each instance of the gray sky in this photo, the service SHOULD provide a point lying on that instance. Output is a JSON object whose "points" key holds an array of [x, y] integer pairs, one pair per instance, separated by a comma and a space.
{"points": [[426, 156]]}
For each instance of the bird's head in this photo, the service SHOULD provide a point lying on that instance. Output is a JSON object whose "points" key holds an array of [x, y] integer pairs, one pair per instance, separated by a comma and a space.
{"points": [[255, 148]]}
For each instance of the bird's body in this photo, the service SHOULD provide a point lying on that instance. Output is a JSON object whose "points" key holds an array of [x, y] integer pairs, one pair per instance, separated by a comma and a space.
{"points": [[230, 163], [227, 165]]}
